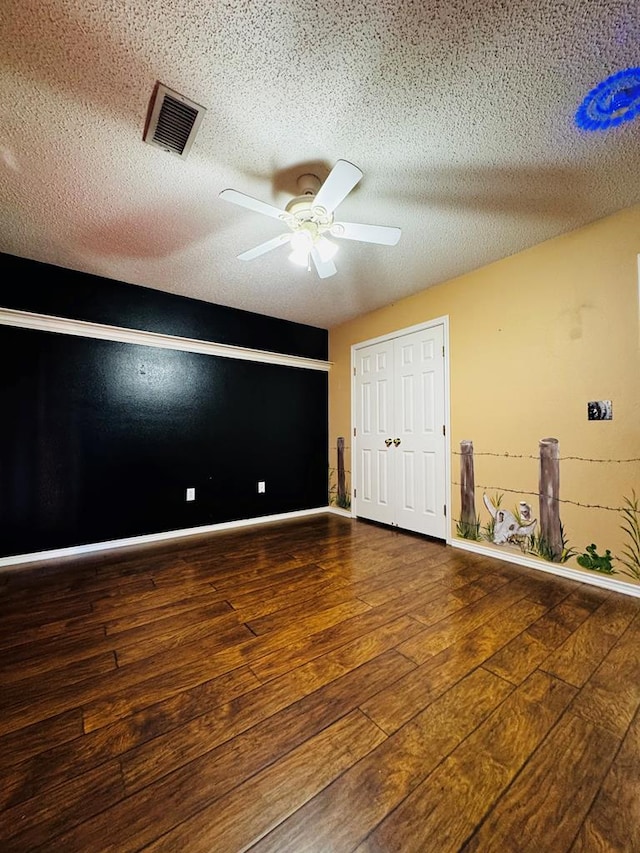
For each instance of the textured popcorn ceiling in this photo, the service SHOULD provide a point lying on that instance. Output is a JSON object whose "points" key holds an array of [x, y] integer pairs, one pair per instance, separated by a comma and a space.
{"points": [[459, 113]]}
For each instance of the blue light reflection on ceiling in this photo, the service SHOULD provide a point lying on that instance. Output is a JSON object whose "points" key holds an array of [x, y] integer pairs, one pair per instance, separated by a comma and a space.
{"points": [[615, 100]]}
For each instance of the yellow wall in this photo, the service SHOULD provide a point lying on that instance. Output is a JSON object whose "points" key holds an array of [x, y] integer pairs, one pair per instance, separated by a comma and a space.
{"points": [[533, 338]]}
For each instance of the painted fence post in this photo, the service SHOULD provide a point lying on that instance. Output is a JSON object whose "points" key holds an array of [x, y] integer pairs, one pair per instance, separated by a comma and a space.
{"points": [[549, 491], [342, 489], [468, 517]]}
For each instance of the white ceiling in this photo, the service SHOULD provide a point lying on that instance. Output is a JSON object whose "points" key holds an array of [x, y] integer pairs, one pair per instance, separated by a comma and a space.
{"points": [[460, 113]]}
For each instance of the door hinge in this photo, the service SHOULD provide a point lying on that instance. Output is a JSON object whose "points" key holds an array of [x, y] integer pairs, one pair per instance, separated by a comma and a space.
{"points": [[443, 350], [354, 432], [355, 493], [444, 429], [445, 510], [354, 371]]}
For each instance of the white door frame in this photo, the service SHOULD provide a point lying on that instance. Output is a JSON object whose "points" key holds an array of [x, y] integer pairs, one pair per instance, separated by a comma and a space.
{"points": [[438, 321]]}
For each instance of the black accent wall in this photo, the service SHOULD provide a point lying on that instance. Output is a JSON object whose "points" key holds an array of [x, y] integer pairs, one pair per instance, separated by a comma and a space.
{"points": [[99, 440], [45, 289]]}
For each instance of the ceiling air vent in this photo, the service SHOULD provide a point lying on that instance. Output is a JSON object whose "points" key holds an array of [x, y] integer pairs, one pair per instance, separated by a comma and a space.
{"points": [[174, 121]]}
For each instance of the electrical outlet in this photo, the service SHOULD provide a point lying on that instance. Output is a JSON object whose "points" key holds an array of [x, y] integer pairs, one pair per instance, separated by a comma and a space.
{"points": [[262, 487], [191, 495]]}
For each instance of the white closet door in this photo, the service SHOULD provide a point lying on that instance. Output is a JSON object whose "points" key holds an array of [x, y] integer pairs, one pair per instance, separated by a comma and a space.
{"points": [[399, 442], [419, 420], [374, 407]]}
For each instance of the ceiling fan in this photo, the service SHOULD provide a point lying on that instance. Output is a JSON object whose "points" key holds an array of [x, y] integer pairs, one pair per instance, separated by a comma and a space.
{"points": [[310, 220]]}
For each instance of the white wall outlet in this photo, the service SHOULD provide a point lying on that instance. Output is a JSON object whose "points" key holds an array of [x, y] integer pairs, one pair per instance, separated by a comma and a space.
{"points": [[191, 495], [262, 487]]}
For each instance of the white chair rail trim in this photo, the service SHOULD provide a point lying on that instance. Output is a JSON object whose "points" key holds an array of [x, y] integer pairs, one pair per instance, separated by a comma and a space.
{"points": [[85, 329]]}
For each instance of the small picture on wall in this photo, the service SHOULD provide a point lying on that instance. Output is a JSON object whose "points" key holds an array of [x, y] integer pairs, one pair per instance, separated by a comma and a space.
{"points": [[599, 410]]}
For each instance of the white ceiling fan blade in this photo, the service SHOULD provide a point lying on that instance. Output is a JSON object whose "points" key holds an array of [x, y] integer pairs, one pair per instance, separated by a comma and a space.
{"points": [[324, 268], [383, 234], [250, 254], [251, 203], [339, 183]]}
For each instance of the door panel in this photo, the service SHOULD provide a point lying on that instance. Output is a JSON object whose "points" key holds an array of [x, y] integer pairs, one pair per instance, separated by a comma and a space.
{"points": [[407, 492], [382, 479], [420, 384], [429, 480], [374, 371], [400, 399]]}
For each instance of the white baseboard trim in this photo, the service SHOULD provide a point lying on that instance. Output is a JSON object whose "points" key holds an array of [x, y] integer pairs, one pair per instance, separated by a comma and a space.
{"points": [[605, 581], [338, 510], [78, 550]]}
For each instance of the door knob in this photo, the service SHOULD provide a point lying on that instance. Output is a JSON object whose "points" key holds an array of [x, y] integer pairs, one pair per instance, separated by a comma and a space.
{"points": [[396, 441], [388, 442]]}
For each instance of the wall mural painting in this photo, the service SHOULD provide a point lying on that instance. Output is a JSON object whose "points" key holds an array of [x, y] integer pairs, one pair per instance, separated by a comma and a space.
{"points": [[545, 535], [339, 480]]}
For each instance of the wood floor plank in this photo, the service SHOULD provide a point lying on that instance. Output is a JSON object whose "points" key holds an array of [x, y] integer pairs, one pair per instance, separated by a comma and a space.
{"points": [[206, 598], [449, 804], [447, 602], [42, 769], [393, 708], [577, 658], [367, 564], [309, 625], [526, 652], [161, 676], [33, 823], [15, 619], [251, 583], [252, 608], [63, 628], [279, 790], [394, 582], [132, 601], [551, 591], [129, 689], [611, 697], [22, 744], [81, 654], [518, 659], [136, 644], [342, 815], [268, 663], [455, 625], [613, 824], [103, 704], [289, 698], [315, 684], [141, 818], [547, 803], [36, 691], [309, 603]]}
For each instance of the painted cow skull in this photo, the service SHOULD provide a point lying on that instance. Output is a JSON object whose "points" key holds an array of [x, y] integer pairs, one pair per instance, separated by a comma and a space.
{"points": [[507, 527]]}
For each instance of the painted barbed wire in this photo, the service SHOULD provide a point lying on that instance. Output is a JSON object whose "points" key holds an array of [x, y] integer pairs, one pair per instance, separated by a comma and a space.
{"points": [[537, 495], [508, 455]]}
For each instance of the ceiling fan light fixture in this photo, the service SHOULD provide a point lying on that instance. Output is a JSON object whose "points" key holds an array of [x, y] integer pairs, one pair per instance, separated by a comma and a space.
{"points": [[310, 216], [301, 243], [300, 257], [326, 249]]}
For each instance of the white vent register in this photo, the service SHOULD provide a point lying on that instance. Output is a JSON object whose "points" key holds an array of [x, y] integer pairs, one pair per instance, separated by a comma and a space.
{"points": [[174, 121]]}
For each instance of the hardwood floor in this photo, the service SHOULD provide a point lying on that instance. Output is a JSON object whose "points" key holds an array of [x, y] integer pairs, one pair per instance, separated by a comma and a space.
{"points": [[320, 684]]}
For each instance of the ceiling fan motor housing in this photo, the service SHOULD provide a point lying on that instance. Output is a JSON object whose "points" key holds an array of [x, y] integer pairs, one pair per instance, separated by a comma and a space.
{"points": [[308, 184], [301, 213]]}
